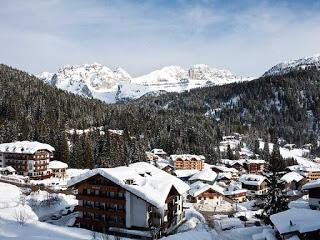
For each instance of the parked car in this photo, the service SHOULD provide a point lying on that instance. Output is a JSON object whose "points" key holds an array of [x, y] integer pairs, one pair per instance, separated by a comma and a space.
{"points": [[55, 216]]}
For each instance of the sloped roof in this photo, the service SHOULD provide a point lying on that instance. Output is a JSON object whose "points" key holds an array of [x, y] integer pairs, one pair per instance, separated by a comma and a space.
{"points": [[57, 165], [204, 175], [200, 187], [150, 183], [187, 157], [183, 173], [302, 220], [8, 168], [252, 179], [225, 169], [24, 147], [291, 176], [313, 184], [158, 151]]}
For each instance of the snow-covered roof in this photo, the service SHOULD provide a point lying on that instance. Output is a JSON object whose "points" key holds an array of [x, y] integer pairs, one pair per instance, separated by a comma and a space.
{"points": [[57, 165], [229, 223], [226, 175], [233, 162], [204, 175], [183, 173], [234, 188], [296, 219], [116, 131], [252, 179], [225, 169], [313, 184], [267, 234], [8, 168], [291, 176], [158, 151], [200, 187], [149, 182], [255, 161], [234, 192], [24, 147], [162, 165], [187, 157]]}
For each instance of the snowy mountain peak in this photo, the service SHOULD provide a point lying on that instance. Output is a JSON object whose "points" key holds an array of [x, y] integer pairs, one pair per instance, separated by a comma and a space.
{"points": [[98, 81], [299, 64], [203, 72]]}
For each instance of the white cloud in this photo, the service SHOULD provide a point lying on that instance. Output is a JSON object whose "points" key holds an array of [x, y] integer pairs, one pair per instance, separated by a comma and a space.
{"points": [[44, 35]]}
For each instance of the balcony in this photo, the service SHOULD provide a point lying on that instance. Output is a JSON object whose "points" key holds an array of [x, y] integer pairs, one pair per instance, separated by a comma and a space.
{"points": [[40, 164], [91, 221], [98, 198], [96, 210], [101, 187]]}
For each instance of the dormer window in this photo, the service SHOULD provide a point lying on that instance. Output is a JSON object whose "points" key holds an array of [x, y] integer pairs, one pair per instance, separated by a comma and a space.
{"points": [[129, 181]]}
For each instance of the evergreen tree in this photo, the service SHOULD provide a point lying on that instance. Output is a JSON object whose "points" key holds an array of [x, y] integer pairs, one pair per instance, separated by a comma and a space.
{"points": [[229, 152]]}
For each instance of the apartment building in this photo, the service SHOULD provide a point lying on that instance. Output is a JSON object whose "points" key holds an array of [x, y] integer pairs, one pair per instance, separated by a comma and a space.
{"points": [[138, 200], [27, 158], [187, 161]]}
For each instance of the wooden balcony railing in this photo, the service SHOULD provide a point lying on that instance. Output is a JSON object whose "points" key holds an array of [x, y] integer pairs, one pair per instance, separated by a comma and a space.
{"points": [[96, 210], [101, 199]]}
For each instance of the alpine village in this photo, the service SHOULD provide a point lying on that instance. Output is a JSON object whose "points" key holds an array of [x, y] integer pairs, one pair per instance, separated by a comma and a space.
{"points": [[89, 152]]}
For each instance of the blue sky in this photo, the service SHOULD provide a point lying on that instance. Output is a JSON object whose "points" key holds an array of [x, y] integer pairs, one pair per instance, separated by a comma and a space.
{"points": [[246, 37]]}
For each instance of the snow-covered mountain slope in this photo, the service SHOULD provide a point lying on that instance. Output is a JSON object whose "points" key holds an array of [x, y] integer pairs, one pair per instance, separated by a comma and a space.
{"points": [[98, 81], [299, 64]]}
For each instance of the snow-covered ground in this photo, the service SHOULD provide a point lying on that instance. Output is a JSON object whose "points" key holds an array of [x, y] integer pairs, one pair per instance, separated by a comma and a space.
{"points": [[60, 183], [13, 209], [296, 153], [13, 204]]}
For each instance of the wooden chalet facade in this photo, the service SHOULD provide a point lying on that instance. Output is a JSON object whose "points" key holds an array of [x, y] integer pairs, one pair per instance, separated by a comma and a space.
{"points": [[237, 195], [187, 162], [102, 204], [254, 166], [207, 196], [105, 206], [205, 193]]}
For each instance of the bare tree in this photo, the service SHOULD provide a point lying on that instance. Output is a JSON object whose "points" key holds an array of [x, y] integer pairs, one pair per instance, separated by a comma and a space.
{"points": [[21, 216]]}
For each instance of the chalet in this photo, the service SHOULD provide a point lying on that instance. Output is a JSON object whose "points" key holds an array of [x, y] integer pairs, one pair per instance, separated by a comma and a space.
{"points": [[166, 167], [188, 161], [27, 158], [205, 193], [311, 174], [222, 169], [206, 176], [255, 184], [225, 177], [7, 171], [254, 165], [184, 175], [160, 153], [298, 222], [237, 195], [58, 168], [138, 200], [314, 193], [291, 181], [237, 164]]}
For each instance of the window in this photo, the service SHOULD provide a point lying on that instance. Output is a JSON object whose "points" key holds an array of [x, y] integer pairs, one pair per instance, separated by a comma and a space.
{"points": [[120, 194], [111, 194]]}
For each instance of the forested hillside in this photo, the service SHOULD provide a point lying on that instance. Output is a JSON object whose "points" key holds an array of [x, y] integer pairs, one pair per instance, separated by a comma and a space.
{"points": [[32, 110], [277, 106], [284, 106]]}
